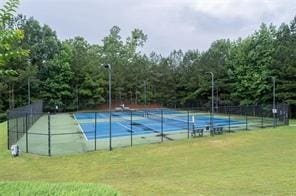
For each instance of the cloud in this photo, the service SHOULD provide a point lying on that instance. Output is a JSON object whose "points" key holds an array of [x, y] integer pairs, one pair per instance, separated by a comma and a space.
{"points": [[170, 24], [244, 9]]}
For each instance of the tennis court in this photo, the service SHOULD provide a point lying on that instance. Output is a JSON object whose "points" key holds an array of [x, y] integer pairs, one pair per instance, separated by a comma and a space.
{"points": [[67, 133], [96, 125]]}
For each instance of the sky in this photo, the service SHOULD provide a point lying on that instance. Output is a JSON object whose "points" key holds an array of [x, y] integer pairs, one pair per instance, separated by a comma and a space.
{"points": [[169, 24]]}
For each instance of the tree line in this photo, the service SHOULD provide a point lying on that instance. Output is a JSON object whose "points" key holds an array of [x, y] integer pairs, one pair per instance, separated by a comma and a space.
{"points": [[68, 72]]}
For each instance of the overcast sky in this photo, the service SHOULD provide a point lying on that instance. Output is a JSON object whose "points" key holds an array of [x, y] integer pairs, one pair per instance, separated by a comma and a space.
{"points": [[170, 24]]}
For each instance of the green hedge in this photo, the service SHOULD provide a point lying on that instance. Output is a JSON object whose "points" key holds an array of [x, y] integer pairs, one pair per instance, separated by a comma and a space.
{"points": [[53, 189]]}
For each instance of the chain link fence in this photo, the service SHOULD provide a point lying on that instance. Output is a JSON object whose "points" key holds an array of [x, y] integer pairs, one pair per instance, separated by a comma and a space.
{"points": [[76, 132], [20, 121]]}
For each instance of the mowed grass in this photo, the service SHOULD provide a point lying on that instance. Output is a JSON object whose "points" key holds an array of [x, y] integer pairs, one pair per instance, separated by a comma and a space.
{"points": [[34, 187], [53, 189], [244, 163], [3, 136]]}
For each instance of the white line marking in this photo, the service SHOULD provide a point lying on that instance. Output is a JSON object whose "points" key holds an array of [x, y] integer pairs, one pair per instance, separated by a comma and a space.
{"points": [[124, 126], [80, 127]]}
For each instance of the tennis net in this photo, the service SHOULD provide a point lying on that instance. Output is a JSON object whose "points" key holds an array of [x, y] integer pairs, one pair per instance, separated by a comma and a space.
{"points": [[184, 124]]}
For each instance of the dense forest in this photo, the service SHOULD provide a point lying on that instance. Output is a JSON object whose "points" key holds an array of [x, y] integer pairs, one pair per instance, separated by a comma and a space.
{"points": [[67, 72]]}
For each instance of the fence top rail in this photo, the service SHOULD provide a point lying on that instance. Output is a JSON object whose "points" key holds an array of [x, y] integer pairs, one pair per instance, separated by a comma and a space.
{"points": [[34, 108], [26, 107]]}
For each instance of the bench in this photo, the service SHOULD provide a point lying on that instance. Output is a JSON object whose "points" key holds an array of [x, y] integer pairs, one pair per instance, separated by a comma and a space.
{"points": [[218, 130], [197, 132]]}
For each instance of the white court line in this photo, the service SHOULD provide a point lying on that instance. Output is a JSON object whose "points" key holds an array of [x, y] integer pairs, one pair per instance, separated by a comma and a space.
{"points": [[81, 128], [123, 126]]}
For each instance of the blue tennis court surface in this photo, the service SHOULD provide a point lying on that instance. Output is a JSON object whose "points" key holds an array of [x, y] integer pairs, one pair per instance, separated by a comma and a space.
{"points": [[121, 124]]}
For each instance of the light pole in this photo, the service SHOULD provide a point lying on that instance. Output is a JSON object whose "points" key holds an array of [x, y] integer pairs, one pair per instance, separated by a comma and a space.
{"points": [[212, 110], [274, 111], [108, 66]]}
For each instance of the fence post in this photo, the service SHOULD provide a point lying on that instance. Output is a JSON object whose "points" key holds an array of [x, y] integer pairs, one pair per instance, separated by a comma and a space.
{"points": [[132, 128], [276, 117], [95, 131], [17, 128], [246, 121], [110, 130], [161, 125], [287, 114], [31, 117], [49, 144], [8, 128], [27, 145], [24, 125], [188, 124], [228, 121], [262, 118]]}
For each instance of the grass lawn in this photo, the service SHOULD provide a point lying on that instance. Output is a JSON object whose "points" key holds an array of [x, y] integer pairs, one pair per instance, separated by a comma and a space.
{"points": [[53, 189], [244, 163], [3, 137]]}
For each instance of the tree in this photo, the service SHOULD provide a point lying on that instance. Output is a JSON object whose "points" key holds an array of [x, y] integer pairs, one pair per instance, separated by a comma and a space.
{"points": [[249, 61], [9, 38], [56, 89], [10, 50], [43, 45], [68, 73], [91, 91], [127, 63], [215, 60], [284, 66]]}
